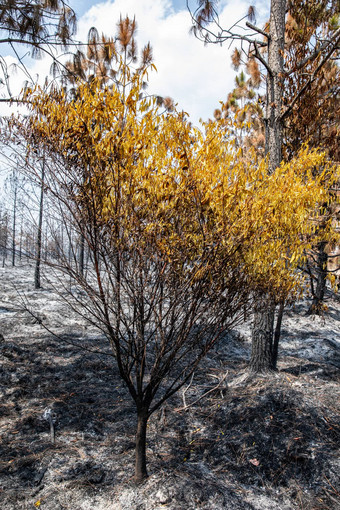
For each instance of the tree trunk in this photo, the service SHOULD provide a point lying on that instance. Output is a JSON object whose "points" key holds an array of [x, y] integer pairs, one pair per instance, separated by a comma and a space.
{"points": [[5, 241], [262, 333], [46, 245], [277, 334], [14, 225], [82, 238], [140, 466], [321, 278], [20, 239], [81, 254], [262, 336], [37, 284], [274, 83]]}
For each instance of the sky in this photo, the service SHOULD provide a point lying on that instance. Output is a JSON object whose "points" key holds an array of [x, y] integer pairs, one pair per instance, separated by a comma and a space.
{"points": [[197, 77]]}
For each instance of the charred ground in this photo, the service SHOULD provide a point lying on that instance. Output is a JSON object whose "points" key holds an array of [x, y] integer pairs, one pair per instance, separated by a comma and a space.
{"points": [[255, 442]]}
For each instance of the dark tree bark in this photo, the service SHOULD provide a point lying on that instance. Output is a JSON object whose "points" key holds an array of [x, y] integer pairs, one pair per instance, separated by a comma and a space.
{"points": [[4, 237], [277, 334], [321, 278], [37, 283], [140, 464], [262, 333], [262, 336]]}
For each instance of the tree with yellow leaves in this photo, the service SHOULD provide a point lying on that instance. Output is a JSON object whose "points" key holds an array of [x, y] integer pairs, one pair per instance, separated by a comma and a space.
{"points": [[101, 61], [181, 231]]}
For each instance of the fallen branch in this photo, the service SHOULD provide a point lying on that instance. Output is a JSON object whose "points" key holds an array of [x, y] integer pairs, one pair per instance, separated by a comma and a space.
{"points": [[48, 416], [185, 390], [218, 386]]}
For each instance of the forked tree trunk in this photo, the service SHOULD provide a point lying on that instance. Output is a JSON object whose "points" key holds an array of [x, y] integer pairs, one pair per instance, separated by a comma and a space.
{"points": [[262, 333], [140, 465]]}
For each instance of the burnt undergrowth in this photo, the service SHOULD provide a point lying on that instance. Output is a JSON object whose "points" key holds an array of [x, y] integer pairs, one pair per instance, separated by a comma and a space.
{"points": [[227, 440], [277, 436]]}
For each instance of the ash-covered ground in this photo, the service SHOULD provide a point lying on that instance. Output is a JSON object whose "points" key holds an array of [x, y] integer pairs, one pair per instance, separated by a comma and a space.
{"points": [[253, 443]]}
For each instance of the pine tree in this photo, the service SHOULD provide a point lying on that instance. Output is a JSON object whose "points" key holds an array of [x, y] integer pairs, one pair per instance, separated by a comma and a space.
{"points": [[38, 24], [267, 47]]}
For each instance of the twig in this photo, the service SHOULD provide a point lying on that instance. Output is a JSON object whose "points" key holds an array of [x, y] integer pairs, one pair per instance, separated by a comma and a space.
{"points": [[185, 390], [334, 489], [331, 497]]}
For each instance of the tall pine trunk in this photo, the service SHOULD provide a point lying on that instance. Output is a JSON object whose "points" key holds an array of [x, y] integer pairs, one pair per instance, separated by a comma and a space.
{"points": [[264, 313]]}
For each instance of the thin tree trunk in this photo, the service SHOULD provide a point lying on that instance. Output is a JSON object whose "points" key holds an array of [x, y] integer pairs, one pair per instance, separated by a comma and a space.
{"points": [[262, 333], [277, 333], [69, 251], [46, 245], [82, 236], [81, 254], [14, 225], [37, 283], [4, 256], [5, 243], [140, 465], [20, 240]]}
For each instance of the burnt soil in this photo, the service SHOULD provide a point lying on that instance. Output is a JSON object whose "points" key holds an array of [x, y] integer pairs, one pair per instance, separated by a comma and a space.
{"points": [[269, 442]]}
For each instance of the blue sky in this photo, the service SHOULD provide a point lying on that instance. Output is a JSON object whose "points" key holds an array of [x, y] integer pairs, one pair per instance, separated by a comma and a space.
{"points": [[82, 6], [197, 77]]}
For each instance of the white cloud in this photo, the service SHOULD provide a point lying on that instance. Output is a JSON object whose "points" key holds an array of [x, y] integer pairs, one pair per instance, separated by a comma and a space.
{"points": [[194, 75]]}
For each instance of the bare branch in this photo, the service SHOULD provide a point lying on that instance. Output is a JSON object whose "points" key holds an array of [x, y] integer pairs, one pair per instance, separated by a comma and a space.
{"points": [[259, 30]]}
